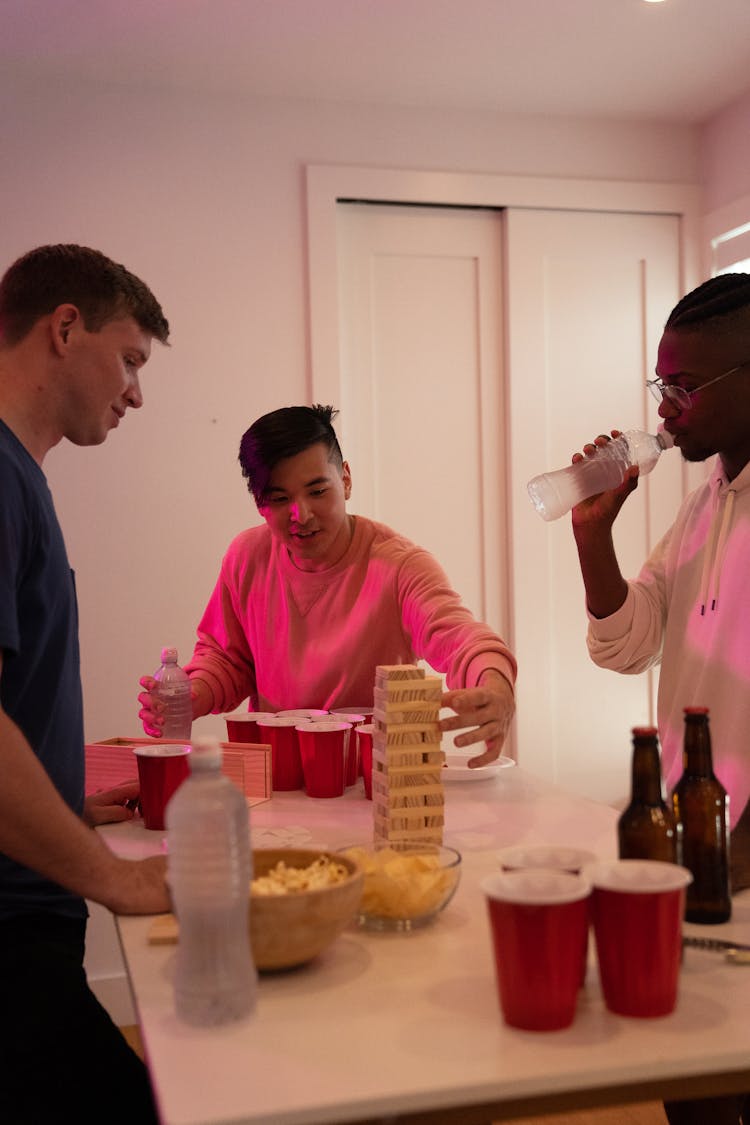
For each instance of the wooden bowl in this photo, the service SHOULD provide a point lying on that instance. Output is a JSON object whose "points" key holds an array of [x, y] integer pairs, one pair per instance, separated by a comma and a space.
{"points": [[290, 929]]}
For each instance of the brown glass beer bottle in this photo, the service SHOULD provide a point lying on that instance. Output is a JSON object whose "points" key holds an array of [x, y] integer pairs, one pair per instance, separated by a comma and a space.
{"points": [[701, 805], [647, 828]]}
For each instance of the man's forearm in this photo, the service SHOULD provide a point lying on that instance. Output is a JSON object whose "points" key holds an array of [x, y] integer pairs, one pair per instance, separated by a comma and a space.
{"points": [[37, 828], [606, 589]]}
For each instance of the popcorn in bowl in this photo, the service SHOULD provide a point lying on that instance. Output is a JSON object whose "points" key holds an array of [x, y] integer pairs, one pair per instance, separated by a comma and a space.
{"points": [[405, 889], [315, 896], [284, 879]]}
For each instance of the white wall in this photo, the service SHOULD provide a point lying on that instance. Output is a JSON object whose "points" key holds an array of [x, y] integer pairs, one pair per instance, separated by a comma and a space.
{"points": [[724, 150], [204, 199]]}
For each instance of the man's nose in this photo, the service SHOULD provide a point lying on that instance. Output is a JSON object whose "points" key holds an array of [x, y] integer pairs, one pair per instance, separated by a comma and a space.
{"points": [[134, 395], [668, 408], [300, 511]]}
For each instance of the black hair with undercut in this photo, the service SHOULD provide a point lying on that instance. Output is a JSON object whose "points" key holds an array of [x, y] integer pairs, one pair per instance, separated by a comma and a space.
{"points": [[102, 291], [285, 433], [727, 295]]}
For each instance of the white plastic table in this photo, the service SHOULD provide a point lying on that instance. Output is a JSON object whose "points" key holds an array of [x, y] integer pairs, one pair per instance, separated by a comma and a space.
{"points": [[407, 1027]]}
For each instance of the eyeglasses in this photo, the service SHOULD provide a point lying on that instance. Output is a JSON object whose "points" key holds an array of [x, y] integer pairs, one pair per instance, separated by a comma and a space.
{"points": [[678, 395]]}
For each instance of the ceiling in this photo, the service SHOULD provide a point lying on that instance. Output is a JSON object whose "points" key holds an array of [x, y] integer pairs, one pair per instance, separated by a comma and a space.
{"points": [[676, 61]]}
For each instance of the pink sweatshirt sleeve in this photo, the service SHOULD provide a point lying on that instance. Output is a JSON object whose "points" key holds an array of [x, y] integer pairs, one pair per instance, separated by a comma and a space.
{"points": [[442, 630], [222, 656]]}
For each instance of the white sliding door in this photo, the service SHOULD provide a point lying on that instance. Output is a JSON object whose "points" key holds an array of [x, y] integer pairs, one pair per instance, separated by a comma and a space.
{"points": [[476, 349]]}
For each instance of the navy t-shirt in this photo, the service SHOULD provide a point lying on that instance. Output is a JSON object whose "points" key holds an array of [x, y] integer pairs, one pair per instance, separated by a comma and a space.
{"points": [[40, 686]]}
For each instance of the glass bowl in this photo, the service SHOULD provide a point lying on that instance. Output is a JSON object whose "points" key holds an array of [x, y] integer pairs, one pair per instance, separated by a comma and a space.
{"points": [[406, 886]]}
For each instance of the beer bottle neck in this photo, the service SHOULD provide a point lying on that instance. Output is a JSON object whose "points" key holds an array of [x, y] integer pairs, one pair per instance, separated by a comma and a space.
{"points": [[696, 758], [646, 781]]}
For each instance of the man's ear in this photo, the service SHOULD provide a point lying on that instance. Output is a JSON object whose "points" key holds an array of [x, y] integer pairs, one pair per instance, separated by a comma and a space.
{"points": [[346, 476], [63, 319]]}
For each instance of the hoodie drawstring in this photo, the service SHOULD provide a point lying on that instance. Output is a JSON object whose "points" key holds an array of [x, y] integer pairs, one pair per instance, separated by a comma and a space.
{"points": [[714, 556]]}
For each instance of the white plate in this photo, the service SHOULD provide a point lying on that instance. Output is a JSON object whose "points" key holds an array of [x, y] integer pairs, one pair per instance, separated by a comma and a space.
{"points": [[456, 768]]}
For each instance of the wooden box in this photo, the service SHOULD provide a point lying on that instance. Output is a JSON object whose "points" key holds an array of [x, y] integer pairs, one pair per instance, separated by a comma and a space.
{"points": [[110, 762]]}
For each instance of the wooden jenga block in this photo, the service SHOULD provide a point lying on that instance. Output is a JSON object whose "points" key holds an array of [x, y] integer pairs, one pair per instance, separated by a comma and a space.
{"points": [[386, 672], [385, 831], [412, 761], [405, 796], [424, 780], [418, 711], [406, 734], [421, 830], [431, 687]]}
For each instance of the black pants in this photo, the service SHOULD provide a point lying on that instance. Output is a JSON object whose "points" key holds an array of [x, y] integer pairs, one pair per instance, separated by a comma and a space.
{"points": [[61, 1056], [729, 1110]]}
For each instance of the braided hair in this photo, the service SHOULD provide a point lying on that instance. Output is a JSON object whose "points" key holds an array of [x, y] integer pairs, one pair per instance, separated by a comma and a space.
{"points": [[725, 296]]}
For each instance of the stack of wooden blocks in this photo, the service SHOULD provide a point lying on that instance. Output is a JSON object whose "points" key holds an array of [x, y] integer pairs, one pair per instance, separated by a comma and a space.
{"points": [[407, 787]]}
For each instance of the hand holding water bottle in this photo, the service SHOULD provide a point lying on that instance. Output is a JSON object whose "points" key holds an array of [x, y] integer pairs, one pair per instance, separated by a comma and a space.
{"points": [[167, 703], [603, 506], [607, 468]]}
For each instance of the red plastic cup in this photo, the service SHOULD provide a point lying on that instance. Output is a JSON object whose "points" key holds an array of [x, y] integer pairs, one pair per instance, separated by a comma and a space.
{"points": [[242, 726], [302, 714], [637, 909], [353, 715], [364, 733], [286, 765], [161, 770], [555, 858], [352, 748], [521, 858], [356, 716], [323, 748], [539, 921], [351, 763]]}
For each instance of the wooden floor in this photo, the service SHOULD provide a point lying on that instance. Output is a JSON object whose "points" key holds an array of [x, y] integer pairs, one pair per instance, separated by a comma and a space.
{"points": [[645, 1113], [641, 1113]]}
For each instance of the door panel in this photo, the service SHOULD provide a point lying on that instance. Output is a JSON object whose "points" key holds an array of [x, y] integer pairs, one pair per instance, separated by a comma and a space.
{"points": [[588, 294], [422, 384]]}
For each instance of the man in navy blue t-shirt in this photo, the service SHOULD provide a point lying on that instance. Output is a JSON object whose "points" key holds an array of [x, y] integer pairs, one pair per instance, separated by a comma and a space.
{"points": [[75, 330]]}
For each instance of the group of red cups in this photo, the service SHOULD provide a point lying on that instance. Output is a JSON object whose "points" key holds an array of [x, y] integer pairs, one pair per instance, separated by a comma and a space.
{"points": [[543, 903], [322, 752], [319, 751]]}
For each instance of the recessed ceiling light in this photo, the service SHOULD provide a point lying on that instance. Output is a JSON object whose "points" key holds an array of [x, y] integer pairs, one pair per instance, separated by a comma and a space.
{"points": [[654, 1]]}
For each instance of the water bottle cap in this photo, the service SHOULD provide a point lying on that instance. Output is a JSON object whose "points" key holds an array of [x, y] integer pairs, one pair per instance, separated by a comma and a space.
{"points": [[665, 439], [169, 655], [206, 754]]}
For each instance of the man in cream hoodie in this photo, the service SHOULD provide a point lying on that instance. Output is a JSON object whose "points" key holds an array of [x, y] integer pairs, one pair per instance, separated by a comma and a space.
{"points": [[689, 610]]}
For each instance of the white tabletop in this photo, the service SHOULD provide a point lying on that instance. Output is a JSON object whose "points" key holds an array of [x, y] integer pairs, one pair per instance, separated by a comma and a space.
{"points": [[403, 1024]]}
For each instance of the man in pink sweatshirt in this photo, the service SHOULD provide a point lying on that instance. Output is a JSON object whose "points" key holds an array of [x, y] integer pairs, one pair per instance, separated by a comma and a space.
{"points": [[308, 604]]}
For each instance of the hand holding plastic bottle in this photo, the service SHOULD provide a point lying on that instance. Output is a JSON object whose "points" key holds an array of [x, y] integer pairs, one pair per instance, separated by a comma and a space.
{"points": [[604, 469], [594, 512], [167, 704], [603, 507]]}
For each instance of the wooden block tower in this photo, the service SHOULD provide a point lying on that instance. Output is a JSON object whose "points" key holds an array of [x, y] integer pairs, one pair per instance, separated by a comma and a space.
{"points": [[407, 787]]}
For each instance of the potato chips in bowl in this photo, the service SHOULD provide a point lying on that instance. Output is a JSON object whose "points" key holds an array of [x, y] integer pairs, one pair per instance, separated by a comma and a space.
{"points": [[404, 889]]}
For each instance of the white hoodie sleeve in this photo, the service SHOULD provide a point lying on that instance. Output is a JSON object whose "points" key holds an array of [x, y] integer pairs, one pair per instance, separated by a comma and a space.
{"points": [[631, 639]]}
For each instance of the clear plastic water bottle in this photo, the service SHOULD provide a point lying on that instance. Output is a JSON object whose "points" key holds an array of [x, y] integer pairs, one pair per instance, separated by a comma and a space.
{"points": [[554, 494], [209, 869], [173, 690]]}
